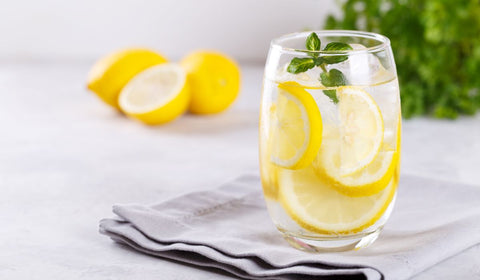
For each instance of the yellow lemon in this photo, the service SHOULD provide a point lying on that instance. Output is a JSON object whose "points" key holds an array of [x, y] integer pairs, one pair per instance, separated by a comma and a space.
{"points": [[296, 127], [214, 80], [157, 95], [111, 73]]}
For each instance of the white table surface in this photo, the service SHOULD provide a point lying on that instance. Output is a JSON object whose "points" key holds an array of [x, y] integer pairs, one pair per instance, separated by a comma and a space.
{"points": [[66, 158]]}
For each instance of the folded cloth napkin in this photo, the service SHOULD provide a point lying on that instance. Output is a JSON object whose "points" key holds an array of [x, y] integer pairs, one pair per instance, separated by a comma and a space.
{"points": [[229, 228]]}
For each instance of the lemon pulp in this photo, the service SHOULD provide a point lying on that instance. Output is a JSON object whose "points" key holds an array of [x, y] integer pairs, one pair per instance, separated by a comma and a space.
{"points": [[157, 95]]}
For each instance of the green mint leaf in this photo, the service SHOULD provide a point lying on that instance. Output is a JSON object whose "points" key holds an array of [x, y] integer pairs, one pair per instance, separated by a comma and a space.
{"points": [[299, 65], [313, 42], [332, 94], [318, 61], [332, 78], [336, 47]]}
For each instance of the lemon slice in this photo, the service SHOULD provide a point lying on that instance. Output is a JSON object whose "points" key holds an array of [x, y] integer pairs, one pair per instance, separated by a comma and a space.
{"points": [[297, 127], [353, 157], [317, 207], [367, 181], [269, 179], [268, 170], [157, 95], [361, 129], [268, 173]]}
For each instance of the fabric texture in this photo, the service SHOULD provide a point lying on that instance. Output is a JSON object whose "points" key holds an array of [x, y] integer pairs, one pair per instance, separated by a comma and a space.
{"points": [[229, 228]]}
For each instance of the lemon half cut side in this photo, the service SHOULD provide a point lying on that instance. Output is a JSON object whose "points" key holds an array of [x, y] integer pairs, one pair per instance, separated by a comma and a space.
{"points": [[157, 95], [111, 73]]}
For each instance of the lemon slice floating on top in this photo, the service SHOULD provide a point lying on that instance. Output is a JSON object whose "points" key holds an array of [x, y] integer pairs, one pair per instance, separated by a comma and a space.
{"points": [[297, 127]]}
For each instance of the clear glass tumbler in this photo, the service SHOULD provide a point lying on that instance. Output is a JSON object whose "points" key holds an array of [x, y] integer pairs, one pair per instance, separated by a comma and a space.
{"points": [[330, 131]]}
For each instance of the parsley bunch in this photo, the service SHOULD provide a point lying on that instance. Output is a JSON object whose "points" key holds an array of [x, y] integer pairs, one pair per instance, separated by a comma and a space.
{"points": [[436, 46]]}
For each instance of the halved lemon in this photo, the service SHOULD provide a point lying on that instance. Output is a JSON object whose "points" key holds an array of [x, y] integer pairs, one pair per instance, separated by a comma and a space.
{"points": [[157, 95], [111, 73], [296, 127], [318, 207], [361, 129]]}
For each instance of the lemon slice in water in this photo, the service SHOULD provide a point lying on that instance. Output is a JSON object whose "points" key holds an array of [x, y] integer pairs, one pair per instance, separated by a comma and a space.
{"points": [[318, 207], [353, 157], [297, 127], [361, 129]]}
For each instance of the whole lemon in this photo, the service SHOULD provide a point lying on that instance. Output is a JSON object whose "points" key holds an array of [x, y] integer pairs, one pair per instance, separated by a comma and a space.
{"points": [[112, 72], [214, 81]]}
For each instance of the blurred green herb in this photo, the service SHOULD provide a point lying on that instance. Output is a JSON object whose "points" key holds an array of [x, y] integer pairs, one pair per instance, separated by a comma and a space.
{"points": [[436, 46], [332, 78]]}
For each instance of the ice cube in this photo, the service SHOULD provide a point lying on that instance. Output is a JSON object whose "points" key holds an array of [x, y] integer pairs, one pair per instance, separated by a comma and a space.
{"points": [[327, 107], [363, 68]]}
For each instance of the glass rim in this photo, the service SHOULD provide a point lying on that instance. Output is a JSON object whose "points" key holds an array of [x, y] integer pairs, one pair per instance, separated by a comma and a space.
{"points": [[383, 42]]}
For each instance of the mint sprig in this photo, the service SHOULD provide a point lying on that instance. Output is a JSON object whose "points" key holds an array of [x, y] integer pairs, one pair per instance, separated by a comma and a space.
{"points": [[332, 78], [336, 47], [313, 43], [299, 65]]}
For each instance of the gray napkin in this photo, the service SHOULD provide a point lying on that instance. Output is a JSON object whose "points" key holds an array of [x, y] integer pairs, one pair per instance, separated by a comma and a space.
{"points": [[229, 228]]}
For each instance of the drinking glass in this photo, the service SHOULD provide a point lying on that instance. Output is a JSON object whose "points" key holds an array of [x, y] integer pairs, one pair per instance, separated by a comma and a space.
{"points": [[330, 127]]}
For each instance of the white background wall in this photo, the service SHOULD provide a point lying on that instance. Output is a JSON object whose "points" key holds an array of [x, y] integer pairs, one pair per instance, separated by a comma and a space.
{"points": [[63, 29]]}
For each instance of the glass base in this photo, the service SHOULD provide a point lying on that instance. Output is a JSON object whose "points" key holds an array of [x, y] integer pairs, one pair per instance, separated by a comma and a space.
{"points": [[332, 244]]}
